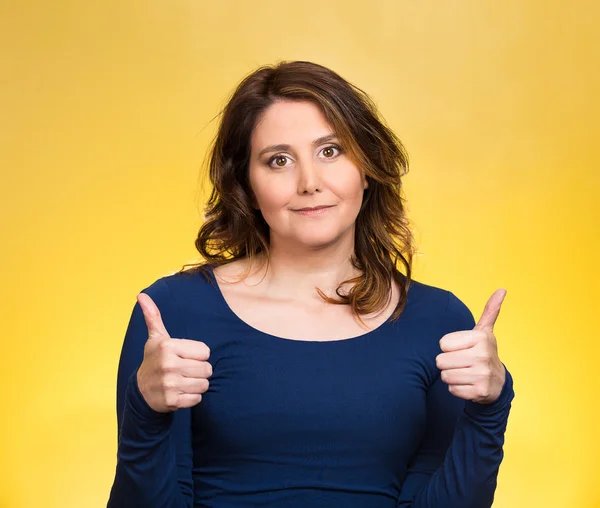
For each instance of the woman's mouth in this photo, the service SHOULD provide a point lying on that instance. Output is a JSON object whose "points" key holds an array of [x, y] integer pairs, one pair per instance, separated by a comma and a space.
{"points": [[314, 210]]}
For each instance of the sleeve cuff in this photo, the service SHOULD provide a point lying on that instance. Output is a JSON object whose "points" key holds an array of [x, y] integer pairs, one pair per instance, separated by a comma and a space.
{"points": [[500, 404]]}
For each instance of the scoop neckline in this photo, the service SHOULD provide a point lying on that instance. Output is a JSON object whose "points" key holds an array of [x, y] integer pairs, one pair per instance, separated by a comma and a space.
{"points": [[356, 338]]}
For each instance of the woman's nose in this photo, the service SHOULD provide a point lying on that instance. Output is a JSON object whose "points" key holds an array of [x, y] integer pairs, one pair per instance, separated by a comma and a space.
{"points": [[308, 178]]}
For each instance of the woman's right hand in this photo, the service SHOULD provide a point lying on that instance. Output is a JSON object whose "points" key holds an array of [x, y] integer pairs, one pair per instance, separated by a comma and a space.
{"points": [[174, 373]]}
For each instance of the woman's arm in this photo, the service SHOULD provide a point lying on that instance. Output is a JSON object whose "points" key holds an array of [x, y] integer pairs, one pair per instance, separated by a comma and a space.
{"points": [[154, 456], [459, 457]]}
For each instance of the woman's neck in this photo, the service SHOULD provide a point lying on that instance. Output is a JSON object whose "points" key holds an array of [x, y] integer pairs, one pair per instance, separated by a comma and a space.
{"points": [[297, 272]]}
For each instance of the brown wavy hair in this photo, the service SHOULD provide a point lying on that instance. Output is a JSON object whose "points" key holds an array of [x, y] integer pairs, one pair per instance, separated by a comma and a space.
{"points": [[234, 229]]}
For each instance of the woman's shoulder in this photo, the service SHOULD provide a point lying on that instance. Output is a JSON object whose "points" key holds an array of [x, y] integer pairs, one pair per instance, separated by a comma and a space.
{"points": [[432, 301], [183, 285]]}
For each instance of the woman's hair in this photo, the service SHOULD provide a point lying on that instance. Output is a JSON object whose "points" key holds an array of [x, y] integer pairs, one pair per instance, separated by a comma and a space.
{"points": [[234, 229]]}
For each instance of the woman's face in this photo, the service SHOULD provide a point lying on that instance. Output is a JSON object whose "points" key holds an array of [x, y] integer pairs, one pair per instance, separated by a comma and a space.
{"points": [[296, 162]]}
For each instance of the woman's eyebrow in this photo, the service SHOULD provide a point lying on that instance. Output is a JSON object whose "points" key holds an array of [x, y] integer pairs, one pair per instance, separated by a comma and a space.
{"points": [[316, 142]]}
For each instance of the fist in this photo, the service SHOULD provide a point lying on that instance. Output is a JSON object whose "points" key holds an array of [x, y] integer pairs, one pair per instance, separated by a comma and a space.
{"points": [[469, 363], [174, 373]]}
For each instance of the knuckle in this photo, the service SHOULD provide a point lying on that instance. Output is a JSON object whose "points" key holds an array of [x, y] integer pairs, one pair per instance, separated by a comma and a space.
{"points": [[483, 392], [164, 345], [169, 383], [167, 367], [172, 400], [483, 358]]}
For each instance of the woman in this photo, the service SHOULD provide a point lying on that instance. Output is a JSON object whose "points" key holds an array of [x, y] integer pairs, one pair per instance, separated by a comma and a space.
{"points": [[298, 367]]}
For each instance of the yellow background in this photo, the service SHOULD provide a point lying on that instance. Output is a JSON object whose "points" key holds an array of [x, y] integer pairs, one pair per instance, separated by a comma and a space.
{"points": [[105, 110]]}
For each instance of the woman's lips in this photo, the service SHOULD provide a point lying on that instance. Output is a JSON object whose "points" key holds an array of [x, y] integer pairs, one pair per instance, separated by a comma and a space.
{"points": [[319, 210]]}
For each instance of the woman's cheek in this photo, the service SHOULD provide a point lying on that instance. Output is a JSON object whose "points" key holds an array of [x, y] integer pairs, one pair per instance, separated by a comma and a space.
{"points": [[273, 203]]}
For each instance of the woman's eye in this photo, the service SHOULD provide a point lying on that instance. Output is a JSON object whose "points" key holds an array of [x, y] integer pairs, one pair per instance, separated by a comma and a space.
{"points": [[278, 160], [329, 151]]}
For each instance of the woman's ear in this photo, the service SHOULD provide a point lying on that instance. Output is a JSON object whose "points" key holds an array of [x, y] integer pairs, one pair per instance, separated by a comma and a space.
{"points": [[365, 182]]}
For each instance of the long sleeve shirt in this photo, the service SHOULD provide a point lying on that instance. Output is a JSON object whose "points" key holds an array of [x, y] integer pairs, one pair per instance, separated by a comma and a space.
{"points": [[359, 422]]}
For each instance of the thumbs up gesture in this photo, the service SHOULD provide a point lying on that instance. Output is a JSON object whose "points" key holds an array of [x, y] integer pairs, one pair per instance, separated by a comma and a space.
{"points": [[470, 364], [174, 373]]}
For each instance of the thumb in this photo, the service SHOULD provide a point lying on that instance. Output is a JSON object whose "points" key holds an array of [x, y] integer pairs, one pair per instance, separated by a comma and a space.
{"points": [[491, 311], [156, 327]]}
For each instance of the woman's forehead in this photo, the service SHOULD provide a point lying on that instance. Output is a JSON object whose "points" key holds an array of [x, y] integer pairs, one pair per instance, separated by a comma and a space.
{"points": [[290, 122]]}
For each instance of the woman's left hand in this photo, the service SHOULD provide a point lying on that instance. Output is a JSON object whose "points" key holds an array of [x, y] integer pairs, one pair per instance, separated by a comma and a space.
{"points": [[470, 364]]}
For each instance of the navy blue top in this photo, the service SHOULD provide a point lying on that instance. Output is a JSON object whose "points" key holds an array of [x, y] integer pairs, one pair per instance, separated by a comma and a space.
{"points": [[359, 422]]}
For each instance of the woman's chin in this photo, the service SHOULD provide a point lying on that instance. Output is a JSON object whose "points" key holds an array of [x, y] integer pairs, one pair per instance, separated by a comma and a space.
{"points": [[316, 240], [313, 238]]}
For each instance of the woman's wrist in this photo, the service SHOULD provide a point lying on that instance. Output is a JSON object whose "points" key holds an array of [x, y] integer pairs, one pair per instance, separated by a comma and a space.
{"points": [[141, 408]]}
